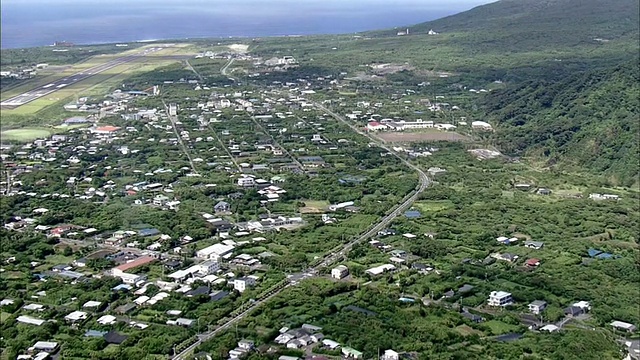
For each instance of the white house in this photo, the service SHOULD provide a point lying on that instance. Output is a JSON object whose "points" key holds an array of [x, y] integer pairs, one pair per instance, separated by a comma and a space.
{"points": [[339, 272], [390, 355], [243, 284], [536, 307], [480, 125], [549, 328], [76, 316], [107, 320], [621, 325], [246, 181], [500, 298], [30, 320]]}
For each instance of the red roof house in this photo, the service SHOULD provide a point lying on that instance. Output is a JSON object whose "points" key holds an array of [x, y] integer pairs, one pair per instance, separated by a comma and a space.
{"points": [[143, 260], [532, 262]]}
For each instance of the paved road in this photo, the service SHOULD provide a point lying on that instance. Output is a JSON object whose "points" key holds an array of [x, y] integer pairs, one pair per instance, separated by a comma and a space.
{"points": [[56, 85], [225, 67], [209, 334], [333, 256], [173, 120]]}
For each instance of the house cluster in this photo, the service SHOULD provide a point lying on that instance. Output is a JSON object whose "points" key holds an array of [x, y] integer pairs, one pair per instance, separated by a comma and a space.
{"points": [[23, 72], [398, 258], [300, 337]]}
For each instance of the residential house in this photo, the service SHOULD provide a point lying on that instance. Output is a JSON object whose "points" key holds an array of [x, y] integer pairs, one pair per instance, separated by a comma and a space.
{"points": [[620, 325], [506, 257], [351, 353], [330, 344], [46, 346], [390, 355], [534, 244], [500, 298], [242, 284], [222, 207], [532, 263], [76, 316], [550, 328], [537, 306], [339, 272], [578, 308]]}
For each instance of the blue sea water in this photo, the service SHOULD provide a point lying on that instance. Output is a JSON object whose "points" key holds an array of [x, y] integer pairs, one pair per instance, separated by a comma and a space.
{"points": [[29, 23]]}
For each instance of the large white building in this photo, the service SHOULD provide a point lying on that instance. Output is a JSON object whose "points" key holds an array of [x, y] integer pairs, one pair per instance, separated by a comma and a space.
{"points": [[214, 252], [410, 125], [500, 298], [380, 269]]}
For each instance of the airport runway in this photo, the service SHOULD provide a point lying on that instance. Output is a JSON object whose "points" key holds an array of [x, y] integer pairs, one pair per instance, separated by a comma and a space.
{"points": [[47, 89]]}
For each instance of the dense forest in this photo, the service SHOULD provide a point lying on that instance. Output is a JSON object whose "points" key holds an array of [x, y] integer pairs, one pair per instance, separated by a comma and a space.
{"points": [[517, 25], [588, 120]]}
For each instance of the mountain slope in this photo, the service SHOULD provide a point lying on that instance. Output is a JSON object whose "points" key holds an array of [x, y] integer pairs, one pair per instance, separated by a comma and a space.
{"points": [[588, 120], [533, 24]]}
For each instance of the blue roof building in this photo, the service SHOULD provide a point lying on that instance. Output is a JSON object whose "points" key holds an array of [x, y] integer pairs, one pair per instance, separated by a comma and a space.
{"points": [[148, 232], [412, 214], [593, 252]]}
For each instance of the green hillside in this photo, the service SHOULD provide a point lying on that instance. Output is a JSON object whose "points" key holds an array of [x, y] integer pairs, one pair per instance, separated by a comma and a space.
{"points": [[516, 25], [587, 120]]}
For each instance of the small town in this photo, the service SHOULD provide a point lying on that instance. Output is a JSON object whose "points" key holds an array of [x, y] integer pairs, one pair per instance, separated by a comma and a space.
{"points": [[248, 200]]}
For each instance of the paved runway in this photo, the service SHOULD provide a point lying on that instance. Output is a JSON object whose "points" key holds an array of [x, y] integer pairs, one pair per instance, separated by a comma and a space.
{"points": [[47, 89]]}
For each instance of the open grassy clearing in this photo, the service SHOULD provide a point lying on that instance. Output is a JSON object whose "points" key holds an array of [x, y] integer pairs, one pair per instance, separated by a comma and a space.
{"points": [[313, 206], [24, 135], [427, 206], [427, 135]]}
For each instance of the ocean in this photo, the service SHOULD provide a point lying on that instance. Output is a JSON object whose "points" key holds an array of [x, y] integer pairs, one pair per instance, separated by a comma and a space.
{"points": [[30, 23]]}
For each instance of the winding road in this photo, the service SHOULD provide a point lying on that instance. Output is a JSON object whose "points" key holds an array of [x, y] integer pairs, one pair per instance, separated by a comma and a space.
{"points": [[335, 255], [223, 71]]}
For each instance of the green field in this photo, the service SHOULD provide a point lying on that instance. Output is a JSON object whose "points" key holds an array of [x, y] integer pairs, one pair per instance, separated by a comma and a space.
{"points": [[24, 135]]}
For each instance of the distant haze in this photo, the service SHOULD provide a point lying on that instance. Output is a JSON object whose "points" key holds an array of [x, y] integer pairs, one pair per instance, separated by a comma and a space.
{"points": [[28, 23]]}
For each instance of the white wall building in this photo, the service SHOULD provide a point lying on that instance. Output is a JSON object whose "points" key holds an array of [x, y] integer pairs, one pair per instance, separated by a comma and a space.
{"points": [[390, 355], [500, 298], [243, 284], [208, 267], [214, 252], [246, 181], [537, 306], [339, 272]]}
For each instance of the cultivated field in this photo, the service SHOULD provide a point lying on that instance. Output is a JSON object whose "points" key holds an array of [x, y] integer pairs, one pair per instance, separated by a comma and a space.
{"points": [[314, 207], [432, 135]]}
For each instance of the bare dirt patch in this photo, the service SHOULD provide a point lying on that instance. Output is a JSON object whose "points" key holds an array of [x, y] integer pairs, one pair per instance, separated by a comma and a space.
{"points": [[421, 136]]}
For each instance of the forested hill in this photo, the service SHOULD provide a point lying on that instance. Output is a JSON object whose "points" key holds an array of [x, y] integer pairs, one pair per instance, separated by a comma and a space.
{"points": [[588, 120], [526, 24]]}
